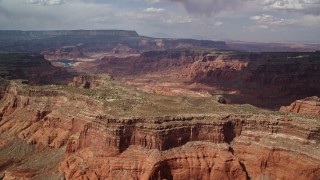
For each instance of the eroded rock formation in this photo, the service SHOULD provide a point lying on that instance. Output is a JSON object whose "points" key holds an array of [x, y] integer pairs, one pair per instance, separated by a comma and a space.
{"points": [[310, 105], [267, 80], [191, 141], [67, 53], [90, 82]]}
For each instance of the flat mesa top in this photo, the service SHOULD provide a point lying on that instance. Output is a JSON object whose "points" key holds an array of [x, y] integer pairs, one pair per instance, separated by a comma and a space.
{"points": [[117, 100]]}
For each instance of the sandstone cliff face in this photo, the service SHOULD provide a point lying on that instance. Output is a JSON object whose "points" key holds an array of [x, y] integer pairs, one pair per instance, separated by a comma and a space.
{"points": [[265, 160], [41, 119], [256, 152], [191, 161], [234, 144], [310, 105]]}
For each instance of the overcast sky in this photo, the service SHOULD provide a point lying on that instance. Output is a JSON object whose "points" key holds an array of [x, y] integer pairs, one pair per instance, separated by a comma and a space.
{"points": [[247, 20]]}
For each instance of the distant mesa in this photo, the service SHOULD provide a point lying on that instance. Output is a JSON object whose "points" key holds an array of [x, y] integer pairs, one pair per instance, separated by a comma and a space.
{"points": [[38, 34], [92, 41]]}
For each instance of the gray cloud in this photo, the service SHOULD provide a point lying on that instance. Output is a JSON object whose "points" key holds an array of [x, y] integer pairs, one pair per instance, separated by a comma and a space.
{"points": [[45, 2], [266, 21], [154, 10], [300, 6], [210, 7]]}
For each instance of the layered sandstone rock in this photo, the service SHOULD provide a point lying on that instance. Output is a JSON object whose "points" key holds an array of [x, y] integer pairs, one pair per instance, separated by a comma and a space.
{"points": [[221, 141], [275, 156], [197, 160], [310, 105]]}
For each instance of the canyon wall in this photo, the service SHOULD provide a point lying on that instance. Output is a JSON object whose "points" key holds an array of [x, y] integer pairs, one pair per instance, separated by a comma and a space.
{"points": [[242, 143], [267, 80], [34, 69]]}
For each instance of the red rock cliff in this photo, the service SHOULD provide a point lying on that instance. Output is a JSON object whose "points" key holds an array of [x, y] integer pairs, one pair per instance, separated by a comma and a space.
{"points": [[310, 105], [236, 144]]}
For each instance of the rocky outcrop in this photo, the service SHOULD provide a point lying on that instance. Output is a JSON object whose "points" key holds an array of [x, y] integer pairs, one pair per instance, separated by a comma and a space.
{"points": [[123, 49], [310, 105], [90, 81], [67, 53], [223, 141]]}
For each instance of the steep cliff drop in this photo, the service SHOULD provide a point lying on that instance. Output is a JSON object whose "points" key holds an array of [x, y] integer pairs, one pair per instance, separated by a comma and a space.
{"points": [[111, 131]]}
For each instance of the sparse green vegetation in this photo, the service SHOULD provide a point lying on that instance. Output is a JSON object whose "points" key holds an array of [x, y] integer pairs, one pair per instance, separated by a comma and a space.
{"points": [[123, 101]]}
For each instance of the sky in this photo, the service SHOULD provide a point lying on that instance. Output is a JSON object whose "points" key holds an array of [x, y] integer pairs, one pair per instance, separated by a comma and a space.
{"points": [[244, 20]]}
